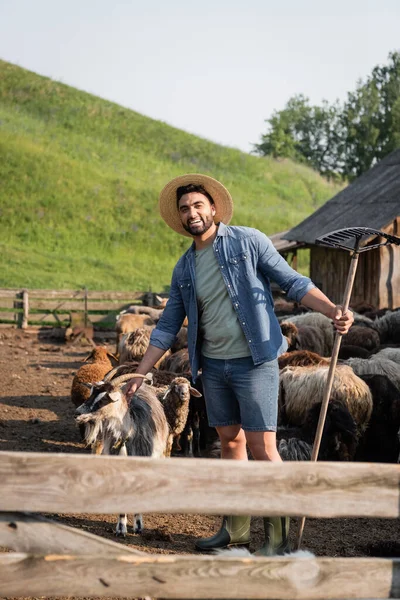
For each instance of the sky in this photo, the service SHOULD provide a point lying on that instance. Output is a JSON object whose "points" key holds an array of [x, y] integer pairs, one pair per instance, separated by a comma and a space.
{"points": [[215, 68]]}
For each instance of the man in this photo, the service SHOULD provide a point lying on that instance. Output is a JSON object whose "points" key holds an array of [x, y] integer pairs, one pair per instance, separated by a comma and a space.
{"points": [[222, 284]]}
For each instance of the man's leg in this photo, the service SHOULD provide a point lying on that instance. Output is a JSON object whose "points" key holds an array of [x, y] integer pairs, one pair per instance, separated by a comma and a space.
{"points": [[262, 445], [233, 442]]}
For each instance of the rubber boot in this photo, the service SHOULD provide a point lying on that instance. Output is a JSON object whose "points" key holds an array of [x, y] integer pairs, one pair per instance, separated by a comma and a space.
{"points": [[276, 531], [234, 531]]}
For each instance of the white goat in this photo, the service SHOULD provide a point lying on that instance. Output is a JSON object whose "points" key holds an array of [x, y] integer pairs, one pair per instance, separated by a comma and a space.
{"points": [[138, 428]]}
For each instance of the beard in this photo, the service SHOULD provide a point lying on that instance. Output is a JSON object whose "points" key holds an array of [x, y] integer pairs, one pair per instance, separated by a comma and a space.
{"points": [[199, 229]]}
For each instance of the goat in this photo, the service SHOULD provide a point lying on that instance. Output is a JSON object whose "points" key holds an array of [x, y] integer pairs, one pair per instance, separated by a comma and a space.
{"points": [[138, 428]]}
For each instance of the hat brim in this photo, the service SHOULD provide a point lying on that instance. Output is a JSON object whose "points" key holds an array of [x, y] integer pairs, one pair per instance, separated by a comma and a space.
{"points": [[168, 202]]}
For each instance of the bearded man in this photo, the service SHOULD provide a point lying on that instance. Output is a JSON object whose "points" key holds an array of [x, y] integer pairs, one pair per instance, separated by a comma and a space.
{"points": [[222, 284]]}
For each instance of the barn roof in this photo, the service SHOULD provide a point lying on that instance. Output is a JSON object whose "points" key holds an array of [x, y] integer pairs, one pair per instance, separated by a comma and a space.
{"points": [[283, 245], [372, 200]]}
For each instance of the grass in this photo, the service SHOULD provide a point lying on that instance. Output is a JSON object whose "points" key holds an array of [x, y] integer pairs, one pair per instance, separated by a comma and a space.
{"points": [[79, 184]]}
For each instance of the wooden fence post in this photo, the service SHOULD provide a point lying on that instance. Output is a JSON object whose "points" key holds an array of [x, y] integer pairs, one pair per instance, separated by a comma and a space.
{"points": [[25, 306], [22, 301]]}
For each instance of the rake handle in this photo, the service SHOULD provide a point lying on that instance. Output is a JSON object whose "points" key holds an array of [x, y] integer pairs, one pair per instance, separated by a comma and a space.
{"points": [[328, 386]]}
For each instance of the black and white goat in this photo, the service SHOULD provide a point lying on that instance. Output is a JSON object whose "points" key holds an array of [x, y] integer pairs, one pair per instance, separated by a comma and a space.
{"points": [[135, 428]]}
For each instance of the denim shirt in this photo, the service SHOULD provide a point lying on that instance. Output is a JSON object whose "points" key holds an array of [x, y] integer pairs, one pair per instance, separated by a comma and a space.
{"points": [[248, 262]]}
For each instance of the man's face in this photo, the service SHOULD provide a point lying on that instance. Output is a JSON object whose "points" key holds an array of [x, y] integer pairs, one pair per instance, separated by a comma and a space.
{"points": [[196, 213]]}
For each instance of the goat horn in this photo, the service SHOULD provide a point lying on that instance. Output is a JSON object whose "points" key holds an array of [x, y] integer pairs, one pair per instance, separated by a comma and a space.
{"points": [[111, 373], [118, 381]]}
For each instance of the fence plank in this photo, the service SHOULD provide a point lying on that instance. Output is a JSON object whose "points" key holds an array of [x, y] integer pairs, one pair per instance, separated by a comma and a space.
{"points": [[24, 532], [163, 576], [41, 482]]}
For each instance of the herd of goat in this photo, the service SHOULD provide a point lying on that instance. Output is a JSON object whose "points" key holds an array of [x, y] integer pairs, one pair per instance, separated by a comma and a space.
{"points": [[167, 414]]}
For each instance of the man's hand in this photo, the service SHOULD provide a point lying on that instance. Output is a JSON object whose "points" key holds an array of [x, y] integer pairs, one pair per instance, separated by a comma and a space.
{"points": [[342, 322], [132, 386]]}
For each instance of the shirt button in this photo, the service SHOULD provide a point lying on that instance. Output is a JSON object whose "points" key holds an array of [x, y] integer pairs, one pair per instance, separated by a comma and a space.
{"points": [[249, 341], [222, 267], [243, 323], [236, 305]]}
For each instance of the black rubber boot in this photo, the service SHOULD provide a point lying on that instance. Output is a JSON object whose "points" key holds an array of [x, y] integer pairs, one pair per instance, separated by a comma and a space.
{"points": [[276, 531], [234, 531]]}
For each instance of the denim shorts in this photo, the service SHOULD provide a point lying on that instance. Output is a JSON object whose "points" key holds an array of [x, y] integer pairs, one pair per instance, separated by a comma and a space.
{"points": [[239, 393]]}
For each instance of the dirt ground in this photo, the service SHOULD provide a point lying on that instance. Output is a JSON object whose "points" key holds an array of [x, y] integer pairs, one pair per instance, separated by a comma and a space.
{"points": [[36, 415]]}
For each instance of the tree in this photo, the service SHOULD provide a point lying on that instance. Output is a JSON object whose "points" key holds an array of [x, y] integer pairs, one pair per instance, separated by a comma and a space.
{"points": [[305, 133], [371, 118], [338, 140]]}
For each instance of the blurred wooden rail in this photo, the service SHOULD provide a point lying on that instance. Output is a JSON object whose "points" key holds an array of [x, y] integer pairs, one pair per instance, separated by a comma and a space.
{"points": [[52, 559], [23, 307]]}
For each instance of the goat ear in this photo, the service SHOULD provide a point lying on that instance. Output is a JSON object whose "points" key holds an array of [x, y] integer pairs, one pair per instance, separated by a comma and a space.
{"points": [[115, 396], [195, 392]]}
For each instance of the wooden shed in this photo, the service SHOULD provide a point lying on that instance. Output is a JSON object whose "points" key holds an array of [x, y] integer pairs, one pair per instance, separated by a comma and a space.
{"points": [[372, 200]]}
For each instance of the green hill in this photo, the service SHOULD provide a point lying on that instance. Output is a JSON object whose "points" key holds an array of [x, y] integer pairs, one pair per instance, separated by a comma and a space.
{"points": [[79, 184]]}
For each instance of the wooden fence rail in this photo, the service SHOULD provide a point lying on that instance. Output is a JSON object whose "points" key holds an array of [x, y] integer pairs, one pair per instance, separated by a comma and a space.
{"points": [[23, 307], [52, 559]]}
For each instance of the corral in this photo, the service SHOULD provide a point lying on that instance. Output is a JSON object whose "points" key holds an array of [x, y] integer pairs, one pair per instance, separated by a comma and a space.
{"points": [[36, 415]]}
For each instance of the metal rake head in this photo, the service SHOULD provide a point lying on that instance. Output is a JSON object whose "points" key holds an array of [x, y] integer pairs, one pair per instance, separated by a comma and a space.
{"points": [[338, 239]]}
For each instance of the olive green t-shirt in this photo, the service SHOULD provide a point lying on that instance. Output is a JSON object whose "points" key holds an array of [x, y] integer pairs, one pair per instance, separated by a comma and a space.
{"points": [[219, 326]]}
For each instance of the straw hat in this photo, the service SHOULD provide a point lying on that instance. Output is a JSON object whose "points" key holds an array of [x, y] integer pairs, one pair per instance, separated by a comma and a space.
{"points": [[168, 203]]}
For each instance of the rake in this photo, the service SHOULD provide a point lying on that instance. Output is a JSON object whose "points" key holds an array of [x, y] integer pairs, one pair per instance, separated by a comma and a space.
{"points": [[346, 239]]}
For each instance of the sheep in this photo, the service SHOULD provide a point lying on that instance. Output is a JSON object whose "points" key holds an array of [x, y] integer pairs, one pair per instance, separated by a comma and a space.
{"points": [[128, 322], [381, 442], [301, 387], [364, 337], [376, 364], [175, 400], [181, 340], [388, 327], [135, 428], [133, 345], [318, 321], [90, 373], [339, 439], [301, 358], [390, 353], [177, 362], [303, 337], [349, 351]]}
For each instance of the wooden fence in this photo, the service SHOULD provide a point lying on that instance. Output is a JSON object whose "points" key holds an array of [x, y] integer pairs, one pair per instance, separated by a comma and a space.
{"points": [[23, 307], [50, 559]]}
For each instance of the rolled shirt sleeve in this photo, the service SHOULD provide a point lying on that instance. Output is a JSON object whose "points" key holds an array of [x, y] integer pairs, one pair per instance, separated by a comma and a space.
{"points": [[275, 267], [164, 335]]}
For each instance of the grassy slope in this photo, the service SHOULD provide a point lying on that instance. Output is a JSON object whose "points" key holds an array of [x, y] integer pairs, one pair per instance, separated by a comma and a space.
{"points": [[79, 182]]}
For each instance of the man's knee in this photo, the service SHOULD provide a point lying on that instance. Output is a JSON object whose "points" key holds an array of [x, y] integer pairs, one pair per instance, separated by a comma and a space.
{"points": [[231, 435]]}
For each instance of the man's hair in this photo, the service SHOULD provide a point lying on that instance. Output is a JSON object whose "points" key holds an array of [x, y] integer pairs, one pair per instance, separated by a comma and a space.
{"points": [[192, 187]]}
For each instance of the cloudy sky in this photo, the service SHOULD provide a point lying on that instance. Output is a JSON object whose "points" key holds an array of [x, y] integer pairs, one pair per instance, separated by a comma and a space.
{"points": [[216, 68]]}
